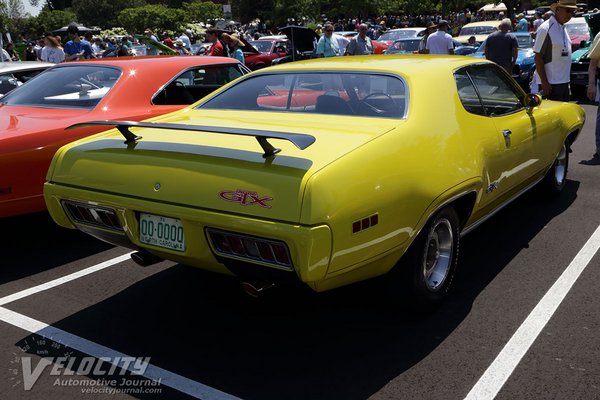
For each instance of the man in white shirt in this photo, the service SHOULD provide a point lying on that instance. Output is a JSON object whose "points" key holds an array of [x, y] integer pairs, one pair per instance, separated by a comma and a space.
{"points": [[552, 49], [440, 42]]}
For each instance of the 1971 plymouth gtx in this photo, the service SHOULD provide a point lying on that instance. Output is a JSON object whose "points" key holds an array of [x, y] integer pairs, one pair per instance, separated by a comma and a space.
{"points": [[326, 171]]}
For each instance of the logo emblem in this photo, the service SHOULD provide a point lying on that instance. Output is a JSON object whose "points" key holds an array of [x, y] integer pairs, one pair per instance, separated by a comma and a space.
{"points": [[245, 198], [157, 186]]}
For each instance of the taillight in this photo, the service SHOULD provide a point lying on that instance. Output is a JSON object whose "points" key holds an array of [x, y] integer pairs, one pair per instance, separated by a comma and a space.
{"points": [[250, 248]]}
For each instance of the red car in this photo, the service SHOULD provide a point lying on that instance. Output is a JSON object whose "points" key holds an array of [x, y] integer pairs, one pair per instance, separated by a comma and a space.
{"points": [[261, 53], [33, 117]]}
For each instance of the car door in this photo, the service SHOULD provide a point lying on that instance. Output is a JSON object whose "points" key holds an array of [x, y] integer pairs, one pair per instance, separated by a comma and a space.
{"points": [[504, 102]]}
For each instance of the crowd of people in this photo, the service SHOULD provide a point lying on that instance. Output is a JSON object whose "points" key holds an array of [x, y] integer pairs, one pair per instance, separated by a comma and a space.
{"points": [[552, 46]]}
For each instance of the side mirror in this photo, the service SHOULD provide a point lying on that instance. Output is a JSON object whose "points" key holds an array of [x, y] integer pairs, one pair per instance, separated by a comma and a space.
{"points": [[533, 100]]}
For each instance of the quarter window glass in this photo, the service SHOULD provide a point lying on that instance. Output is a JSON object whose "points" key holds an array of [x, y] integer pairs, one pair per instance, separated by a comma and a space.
{"points": [[194, 84], [319, 93], [497, 94], [468, 96]]}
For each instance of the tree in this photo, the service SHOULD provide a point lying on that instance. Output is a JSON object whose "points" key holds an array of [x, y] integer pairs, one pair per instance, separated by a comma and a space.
{"points": [[48, 21], [202, 11], [156, 17], [52, 4], [102, 13]]}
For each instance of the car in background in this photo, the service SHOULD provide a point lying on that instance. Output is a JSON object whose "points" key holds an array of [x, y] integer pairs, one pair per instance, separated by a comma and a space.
{"points": [[578, 31], [391, 35], [322, 172], [261, 53], [580, 61], [33, 117], [14, 74], [404, 46], [525, 66], [481, 30], [346, 34]]}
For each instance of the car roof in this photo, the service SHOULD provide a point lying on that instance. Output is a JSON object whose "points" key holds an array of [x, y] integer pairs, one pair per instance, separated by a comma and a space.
{"points": [[156, 61], [414, 28], [11, 66], [409, 65], [481, 23], [576, 20]]}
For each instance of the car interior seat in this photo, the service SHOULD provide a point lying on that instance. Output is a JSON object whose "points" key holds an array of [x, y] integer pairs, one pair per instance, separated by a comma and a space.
{"points": [[332, 105]]}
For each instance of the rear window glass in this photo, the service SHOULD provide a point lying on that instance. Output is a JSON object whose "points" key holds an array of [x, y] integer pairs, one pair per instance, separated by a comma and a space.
{"points": [[340, 93], [81, 86], [477, 30]]}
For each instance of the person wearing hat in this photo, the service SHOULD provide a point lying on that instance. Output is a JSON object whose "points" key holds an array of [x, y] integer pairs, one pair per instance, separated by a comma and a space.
{"points": [[429, 29], [552, 50], [522, 23], [151, 50], [77, 49], [52, 52], [235, 46], [440, 42], [180, 48]]}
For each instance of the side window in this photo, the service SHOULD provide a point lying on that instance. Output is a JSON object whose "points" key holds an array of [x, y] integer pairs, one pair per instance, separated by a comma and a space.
{"points": [[193, 84], [498, 96], [468, 96]]}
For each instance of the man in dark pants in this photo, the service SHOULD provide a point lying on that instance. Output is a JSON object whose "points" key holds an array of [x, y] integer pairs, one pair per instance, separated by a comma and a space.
{"points": [[553, 52]]}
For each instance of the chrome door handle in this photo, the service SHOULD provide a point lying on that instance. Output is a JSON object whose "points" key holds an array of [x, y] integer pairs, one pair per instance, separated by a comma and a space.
{"points": [[506, 133]]}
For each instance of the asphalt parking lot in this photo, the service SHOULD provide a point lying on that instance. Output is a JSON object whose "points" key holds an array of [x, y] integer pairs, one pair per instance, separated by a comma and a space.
{"points": [[173, 332]]}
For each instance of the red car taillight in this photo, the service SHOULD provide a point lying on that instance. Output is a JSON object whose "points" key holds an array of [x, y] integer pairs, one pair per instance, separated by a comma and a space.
{"points": [[250, 248]]}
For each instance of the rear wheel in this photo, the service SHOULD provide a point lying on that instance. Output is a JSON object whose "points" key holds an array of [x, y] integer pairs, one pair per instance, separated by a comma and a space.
{"points": [[556, 177], [424, 275]]}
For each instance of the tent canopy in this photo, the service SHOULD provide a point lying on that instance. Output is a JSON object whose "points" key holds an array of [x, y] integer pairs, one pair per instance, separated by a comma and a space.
{"points": [[492, 7], [82, 29]]}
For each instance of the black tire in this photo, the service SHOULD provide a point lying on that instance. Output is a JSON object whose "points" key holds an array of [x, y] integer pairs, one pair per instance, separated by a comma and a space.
{"points": [[556, 177], [423, 276]]}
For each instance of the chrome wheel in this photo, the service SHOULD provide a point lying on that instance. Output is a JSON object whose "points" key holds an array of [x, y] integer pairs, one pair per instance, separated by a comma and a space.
{"points": [[560, 166], [439, 248]]}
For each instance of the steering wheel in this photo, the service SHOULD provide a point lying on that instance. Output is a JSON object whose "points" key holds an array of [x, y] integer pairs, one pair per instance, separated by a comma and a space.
{"points": [[376, 109]]}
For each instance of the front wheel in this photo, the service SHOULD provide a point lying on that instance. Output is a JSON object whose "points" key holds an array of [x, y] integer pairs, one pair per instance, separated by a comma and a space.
{"points": [[556, 177], [424, 274]]}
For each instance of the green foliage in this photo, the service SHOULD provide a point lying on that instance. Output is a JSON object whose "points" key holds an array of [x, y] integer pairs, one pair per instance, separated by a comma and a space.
{"points": [[202, 11], [102, 13], [48, 20], [156, 17], [117, 31]]}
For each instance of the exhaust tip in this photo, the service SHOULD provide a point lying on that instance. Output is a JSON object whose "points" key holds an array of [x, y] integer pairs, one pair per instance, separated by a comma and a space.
{"points": [[144, 258], [255, 289]]}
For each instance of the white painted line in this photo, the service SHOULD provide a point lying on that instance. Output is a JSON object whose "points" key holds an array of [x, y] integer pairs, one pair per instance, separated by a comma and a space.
{"points": [[505, 363], [170, 379], [64, 279]]}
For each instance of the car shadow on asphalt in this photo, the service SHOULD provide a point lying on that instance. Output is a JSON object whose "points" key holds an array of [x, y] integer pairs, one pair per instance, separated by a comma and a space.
{"points": [[34, 243], [294, 344]]}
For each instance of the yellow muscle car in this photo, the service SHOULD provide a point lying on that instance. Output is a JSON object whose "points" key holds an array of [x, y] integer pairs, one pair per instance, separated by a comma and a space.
{"points": [[325, 172]]}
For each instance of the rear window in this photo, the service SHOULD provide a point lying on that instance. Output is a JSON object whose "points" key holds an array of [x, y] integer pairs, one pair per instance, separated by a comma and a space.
{"points": [[81, 86], [340, 93]]}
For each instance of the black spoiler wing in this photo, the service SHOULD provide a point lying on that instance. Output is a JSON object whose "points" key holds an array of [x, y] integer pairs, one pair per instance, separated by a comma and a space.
{"points": [[301, 141]]}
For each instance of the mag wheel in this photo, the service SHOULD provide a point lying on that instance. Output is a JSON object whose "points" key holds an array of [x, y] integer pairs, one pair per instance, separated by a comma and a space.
{"points": [[556, 177], [424, 274]]}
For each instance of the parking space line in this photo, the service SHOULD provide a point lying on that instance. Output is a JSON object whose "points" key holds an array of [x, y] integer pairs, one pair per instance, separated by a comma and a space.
{"points": [[492, 380], [64, 279], [167, 378]]}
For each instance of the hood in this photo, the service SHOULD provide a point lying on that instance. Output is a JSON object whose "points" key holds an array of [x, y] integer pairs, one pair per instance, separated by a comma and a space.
{"points": [[220, 172], [302, 38]]}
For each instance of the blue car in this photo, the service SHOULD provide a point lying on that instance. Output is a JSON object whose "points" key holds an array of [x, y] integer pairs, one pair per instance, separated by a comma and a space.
{"points": [[525, 65]]}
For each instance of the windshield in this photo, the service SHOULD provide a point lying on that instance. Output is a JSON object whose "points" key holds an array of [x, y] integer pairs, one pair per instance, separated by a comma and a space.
{"points": [[403, 46], [81, 86], [524, 42], [395, 35], [577, 29], [353, 94], [262, 46], [477, 30]]}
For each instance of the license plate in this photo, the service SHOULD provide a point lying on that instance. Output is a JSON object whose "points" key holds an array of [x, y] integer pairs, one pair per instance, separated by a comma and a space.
{"points": [[162, 231]]}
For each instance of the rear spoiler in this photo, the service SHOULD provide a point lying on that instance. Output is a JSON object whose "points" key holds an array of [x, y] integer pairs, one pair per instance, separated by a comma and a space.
{"points": [[301, 141]]}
